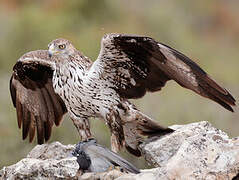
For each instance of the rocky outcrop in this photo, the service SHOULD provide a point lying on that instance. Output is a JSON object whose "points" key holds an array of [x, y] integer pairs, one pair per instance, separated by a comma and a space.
{"points": [[49, 160], [193, 151]]}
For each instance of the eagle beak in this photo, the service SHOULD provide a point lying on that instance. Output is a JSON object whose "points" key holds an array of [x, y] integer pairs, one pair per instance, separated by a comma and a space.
{"points": [[51, 50], [49, 54]]}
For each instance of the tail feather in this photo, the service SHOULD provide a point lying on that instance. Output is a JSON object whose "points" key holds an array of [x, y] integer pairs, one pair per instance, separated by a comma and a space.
{"points": [[142, 125], [148, 127]]}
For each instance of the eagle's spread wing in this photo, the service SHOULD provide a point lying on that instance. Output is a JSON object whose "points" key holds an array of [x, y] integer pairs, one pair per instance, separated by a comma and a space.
{"points": [[37, 105], [136, 64]]}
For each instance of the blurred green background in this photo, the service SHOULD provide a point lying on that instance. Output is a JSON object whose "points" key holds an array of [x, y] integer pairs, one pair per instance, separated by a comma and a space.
{"points": [[206, 31]]}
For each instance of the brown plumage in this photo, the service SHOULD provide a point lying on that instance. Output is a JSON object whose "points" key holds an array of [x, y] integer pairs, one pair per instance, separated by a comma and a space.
{"points": [[164, 63], [38, 106], [128, 66]]}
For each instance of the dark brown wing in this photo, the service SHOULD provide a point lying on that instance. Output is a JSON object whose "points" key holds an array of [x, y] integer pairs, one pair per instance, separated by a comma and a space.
{"points": [[38, 106], [136, 64]]}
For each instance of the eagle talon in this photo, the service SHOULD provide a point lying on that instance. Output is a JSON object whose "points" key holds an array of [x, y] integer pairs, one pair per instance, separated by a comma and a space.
{"points": [[110, 168], [88, 139]]}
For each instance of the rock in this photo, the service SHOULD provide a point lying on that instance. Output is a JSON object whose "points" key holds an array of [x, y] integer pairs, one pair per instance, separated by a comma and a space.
{"points": [[44, 161], [54, 150], [193, 151]]}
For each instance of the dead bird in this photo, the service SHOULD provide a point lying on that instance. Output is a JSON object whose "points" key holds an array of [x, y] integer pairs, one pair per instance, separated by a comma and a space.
{"points": [[93, 157]]}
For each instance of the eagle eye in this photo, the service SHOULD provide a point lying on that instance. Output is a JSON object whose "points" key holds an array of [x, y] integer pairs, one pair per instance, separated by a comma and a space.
{"points": [[62, 46]]}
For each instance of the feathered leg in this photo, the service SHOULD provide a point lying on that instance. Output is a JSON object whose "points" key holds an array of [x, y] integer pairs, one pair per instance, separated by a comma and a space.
{"points": [[83, 127], [129, 126], [117, 134]]}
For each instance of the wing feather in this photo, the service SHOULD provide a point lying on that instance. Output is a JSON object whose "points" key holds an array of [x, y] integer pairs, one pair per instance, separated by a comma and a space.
{"points": [[38, 106], [189, 75], [32, 128], [98, 152], [26, 122], [57, 103], [19, 113], [134, 64], [50, 115]]}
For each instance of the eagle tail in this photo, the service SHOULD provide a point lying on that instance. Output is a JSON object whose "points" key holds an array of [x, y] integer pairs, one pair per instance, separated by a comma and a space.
{"points": [[141, 125]]}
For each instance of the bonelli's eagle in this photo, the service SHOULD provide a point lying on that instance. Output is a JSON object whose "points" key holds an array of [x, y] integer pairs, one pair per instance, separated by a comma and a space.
{"points": [[46, 84]]}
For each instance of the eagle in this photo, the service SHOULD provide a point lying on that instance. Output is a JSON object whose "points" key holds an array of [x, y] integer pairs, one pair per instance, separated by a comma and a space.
{"points": [[45, 84]]}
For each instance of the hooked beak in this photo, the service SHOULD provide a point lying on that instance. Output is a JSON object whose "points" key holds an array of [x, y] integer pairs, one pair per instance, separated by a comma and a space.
{"points": [[51, 50], [49, 54]]}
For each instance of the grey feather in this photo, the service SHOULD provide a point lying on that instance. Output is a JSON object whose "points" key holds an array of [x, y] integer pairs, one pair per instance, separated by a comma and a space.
{"points": [[99, 159]]}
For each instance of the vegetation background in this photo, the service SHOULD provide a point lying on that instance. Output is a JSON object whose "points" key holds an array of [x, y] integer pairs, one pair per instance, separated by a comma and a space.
{"points": [[206, 31]]}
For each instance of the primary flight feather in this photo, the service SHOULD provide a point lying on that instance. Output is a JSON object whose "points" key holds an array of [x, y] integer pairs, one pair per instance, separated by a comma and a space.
{"points": [[47, 84]]}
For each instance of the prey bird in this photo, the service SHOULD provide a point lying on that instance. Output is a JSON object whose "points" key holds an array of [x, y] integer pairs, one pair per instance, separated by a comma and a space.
{"points": [[93, 157], [46, 84]]}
